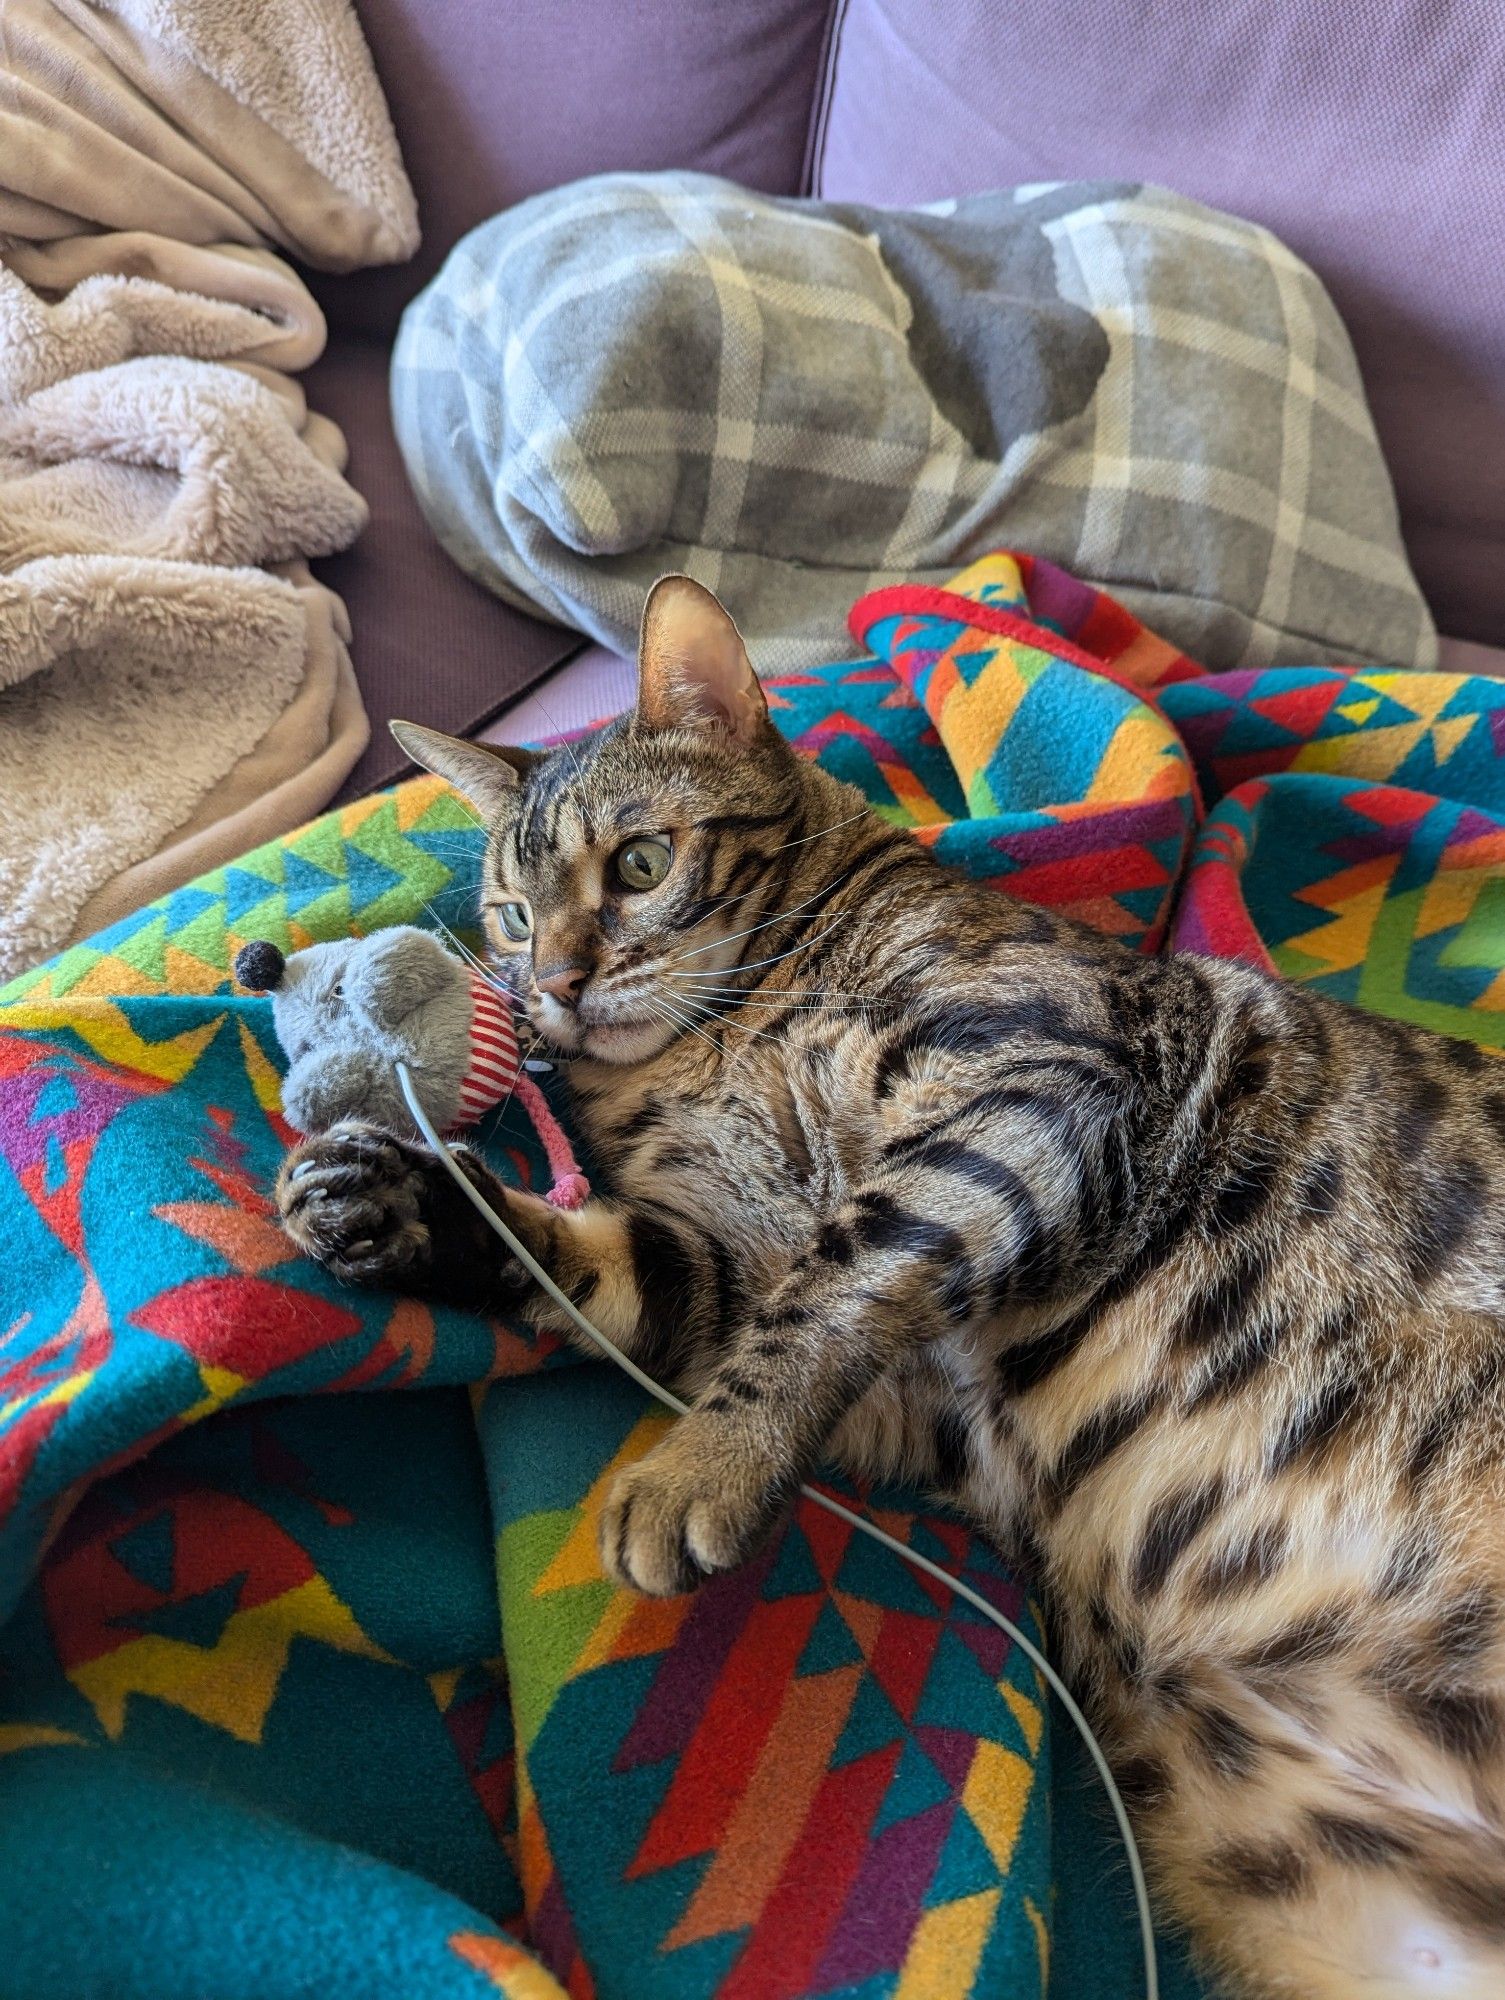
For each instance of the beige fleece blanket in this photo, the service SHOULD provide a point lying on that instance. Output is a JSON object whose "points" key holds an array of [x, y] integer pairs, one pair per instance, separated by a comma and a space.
{"points": [[174, 686]]}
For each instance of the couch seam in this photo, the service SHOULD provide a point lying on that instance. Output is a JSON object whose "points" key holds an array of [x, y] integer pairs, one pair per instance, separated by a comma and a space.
{"points": [[813, 170]]}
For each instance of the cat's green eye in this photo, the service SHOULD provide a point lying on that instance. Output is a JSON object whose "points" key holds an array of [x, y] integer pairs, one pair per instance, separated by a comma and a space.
{"points": [[643, 863], [516, 919]]}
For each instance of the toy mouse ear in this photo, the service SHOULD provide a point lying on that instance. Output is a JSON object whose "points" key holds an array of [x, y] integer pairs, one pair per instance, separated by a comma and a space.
{"points": [[259, 966]]}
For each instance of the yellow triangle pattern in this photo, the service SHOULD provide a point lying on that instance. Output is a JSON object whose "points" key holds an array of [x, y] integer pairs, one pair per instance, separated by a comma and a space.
{"points": [[1141, 741], [33, 1736], [1026, 1713], [230, 1685], [996, 1794], [1422, 695], [579, 1560], [1343, 942], [105, 1029], [1446, 736], [947, 1947], [1374, 753], [261, 1071], [1449, 898]]}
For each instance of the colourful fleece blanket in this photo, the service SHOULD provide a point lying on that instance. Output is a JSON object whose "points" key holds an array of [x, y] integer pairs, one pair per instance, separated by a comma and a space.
{"points": [[309, 1681]]}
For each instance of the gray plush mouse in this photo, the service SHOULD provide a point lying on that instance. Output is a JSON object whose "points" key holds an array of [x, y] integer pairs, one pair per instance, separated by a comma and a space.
{"points": [[347, 1012]]}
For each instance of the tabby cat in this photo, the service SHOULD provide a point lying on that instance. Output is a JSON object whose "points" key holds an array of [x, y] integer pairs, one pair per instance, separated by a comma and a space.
{"points": [[1188, 1284]]}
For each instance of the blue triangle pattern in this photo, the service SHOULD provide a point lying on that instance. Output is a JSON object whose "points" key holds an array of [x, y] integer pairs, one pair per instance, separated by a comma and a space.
{"points": [[966, 1866], [369, 879], [917, 1786], [147, 1551], [305, 882], [187, 904], [872, 1724], [245, 892], [794, 1573], [55, 1099], [830, 1645], [199, 1620]]}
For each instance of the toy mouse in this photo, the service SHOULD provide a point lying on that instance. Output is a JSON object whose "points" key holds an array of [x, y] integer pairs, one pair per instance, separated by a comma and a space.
{"points": [[347, 1012]]}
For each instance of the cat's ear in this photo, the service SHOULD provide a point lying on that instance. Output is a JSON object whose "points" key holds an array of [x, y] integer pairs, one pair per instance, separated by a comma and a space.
{"points": [[693, 669], [487, 773]]}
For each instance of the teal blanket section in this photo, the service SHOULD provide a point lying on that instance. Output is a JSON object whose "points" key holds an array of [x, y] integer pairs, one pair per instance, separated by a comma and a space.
{"points": [[649, 1837], [303, 1784]]}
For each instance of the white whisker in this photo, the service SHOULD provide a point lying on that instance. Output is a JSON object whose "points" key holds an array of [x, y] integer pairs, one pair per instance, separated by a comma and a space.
{"points": [[562, 744], [471, 958], [834, 827], [728, 1003], [763, 924], [722, 902], [522, 1057], [466, 807], [752, 965], [779, 996], [706, 1014], [743, 1027], [671, 1014]]}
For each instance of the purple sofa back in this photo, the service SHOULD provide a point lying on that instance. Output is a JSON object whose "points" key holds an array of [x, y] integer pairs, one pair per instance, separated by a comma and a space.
{"points": [[1370, 136], [495, 100]]}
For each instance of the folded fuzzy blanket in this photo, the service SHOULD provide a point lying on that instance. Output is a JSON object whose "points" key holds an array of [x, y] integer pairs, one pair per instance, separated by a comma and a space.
{"points": [[203, 121], [796, 401], [307, 1668], [173, 684]]}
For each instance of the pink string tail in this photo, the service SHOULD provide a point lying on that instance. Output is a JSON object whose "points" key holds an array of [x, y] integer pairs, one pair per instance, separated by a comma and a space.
{"points": [[572, 1191], [570, 1188]]}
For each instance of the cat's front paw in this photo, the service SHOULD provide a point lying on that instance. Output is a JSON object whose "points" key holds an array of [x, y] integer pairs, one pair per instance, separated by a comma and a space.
{"points": [[698, 1504], [352, 1199]]}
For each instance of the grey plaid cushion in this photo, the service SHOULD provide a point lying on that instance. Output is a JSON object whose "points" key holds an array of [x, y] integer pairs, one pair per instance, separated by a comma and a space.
{"points": [[797, 401]]}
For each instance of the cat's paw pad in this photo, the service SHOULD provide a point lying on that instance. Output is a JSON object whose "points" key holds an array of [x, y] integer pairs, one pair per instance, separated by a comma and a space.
{"points": [[351, 1198], [681, 1515]]}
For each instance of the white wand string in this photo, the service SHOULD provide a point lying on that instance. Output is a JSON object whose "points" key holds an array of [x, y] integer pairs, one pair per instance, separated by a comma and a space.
{"points": [[978, 1602]]}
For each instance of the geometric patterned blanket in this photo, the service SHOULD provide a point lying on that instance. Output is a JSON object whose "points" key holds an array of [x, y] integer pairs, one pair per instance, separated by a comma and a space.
{"points": [[309, 1679]]}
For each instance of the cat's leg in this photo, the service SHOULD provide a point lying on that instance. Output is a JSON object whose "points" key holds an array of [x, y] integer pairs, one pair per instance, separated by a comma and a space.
{"points": [[379, 1210], [1303, 1876], [882, 1276]]}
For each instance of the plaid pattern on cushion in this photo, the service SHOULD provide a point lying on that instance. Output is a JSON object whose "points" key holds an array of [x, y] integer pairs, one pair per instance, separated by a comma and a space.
{"points": [[798, 402]]}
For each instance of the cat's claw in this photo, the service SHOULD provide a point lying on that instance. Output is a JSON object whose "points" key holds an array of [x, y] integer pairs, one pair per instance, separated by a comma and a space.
{"points": [[351, 1198], [687, 1511]]}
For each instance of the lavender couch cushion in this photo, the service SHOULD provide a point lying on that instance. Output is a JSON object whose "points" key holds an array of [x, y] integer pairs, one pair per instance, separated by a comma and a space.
{"points": [[497, 99], [1370, 137], [427, 642], [494, 100], [595, 684]]}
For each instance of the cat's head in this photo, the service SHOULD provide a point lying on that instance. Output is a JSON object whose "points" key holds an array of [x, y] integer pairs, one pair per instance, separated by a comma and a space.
{"points": [[621, 874]]}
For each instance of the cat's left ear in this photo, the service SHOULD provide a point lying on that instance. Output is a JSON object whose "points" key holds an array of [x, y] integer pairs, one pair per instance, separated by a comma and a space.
{"points": [[487, 773], [693, 669]]}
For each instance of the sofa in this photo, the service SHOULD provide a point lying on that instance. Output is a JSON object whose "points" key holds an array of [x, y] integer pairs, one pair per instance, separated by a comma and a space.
{"points": [[1372, 139]]}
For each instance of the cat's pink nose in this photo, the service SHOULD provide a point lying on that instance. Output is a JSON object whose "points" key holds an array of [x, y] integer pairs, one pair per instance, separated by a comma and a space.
{"points": [[564, 983]]}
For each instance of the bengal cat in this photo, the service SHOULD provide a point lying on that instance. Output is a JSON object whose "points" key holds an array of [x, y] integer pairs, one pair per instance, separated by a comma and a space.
{"points": [[1187, 1283]]}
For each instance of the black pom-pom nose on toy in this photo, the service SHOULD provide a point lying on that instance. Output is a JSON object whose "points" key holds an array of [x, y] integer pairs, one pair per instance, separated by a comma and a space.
{"points": [[259, 966]]}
